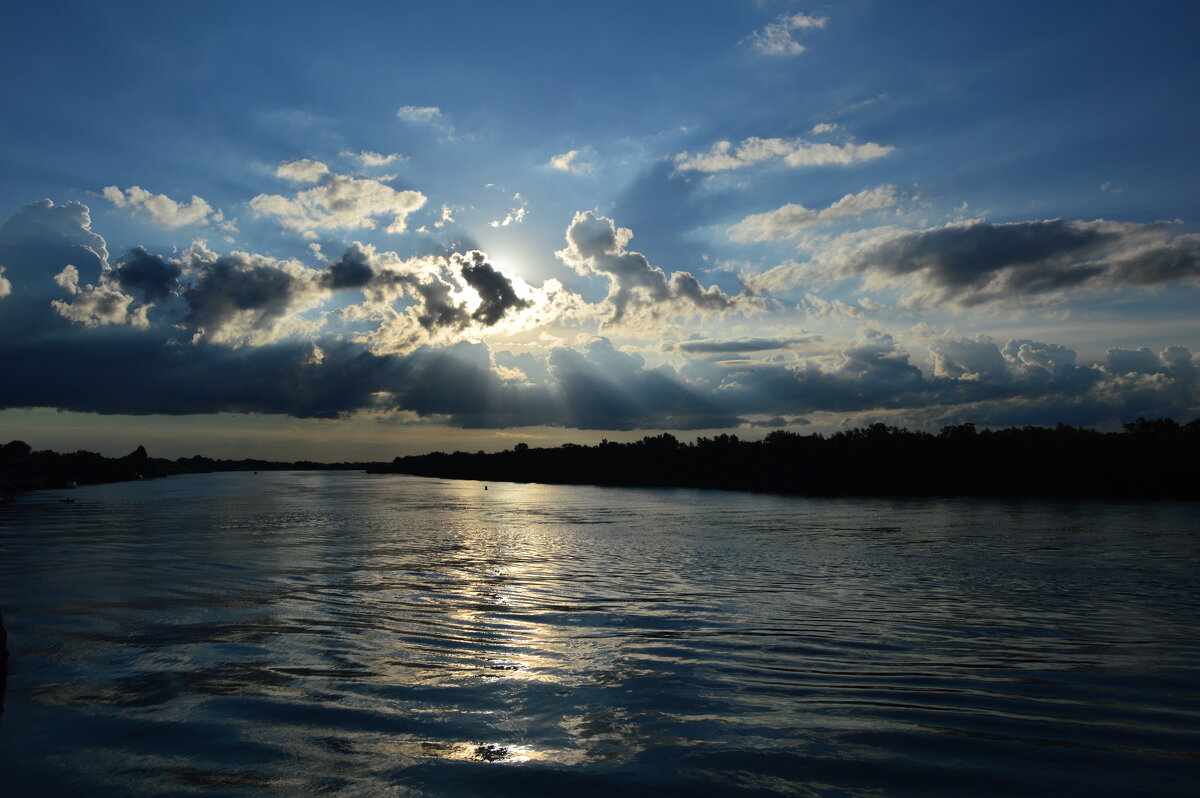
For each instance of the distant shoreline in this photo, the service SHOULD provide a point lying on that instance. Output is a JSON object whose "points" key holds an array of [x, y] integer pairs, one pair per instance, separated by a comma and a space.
{"points": [[1155, 459], [23, 470], [1149, 459]]}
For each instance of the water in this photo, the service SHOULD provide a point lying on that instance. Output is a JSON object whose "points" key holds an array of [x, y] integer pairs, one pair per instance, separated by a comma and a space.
{"points": [[347, 634]]}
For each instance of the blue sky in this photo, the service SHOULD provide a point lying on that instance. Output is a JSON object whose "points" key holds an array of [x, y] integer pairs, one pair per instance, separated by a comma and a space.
{"points": [[291, 230]]}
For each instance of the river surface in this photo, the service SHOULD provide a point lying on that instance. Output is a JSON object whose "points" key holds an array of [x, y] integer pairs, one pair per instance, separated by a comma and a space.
{"points": [[347, 634]]}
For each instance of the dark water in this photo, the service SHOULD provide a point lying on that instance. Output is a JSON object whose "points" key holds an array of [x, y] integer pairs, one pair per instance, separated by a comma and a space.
{"points": [[345, 634]]}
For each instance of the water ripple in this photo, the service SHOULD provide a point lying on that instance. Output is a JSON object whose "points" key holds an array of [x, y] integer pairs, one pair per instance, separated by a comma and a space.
{"points": [[345, 634]]}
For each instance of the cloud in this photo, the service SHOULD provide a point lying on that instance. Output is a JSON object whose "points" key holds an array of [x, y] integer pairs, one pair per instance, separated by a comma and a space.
{"points": [[207, 333], [336, 202], [413, 113], [245, 298], [165, 210], [496, 294], [790, 220], [566, 163], [966, 264], [43, 236], [776, 38], [95, 305], [723, 156], [595, 245], [823, 128], [373, 160], [154, 277], [515, 216], [5, 285], [450, 297], [816, 307], [427, 115], [303, 170], [722, 347], [605, 388]]}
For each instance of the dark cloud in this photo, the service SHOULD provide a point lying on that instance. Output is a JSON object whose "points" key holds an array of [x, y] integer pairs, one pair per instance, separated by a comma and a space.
{"points": [[716, 347], [236, 296], [38, 242], [972, 263], [352, 270], [152, 276], [605, 388], [495, 290]]}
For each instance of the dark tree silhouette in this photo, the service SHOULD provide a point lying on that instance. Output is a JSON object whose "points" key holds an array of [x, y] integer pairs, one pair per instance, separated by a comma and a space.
{"points": [[1149, 459]]}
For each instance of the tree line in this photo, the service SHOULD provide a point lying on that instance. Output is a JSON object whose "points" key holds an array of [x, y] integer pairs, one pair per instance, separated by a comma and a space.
{"points": [[23, 469], [1157, 458]]}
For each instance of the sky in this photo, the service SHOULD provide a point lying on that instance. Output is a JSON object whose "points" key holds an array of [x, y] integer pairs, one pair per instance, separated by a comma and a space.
{"points": [[300, 231]]}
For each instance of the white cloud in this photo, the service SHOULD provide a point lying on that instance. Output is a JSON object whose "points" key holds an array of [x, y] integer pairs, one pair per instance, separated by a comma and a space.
{"points": [[374, 159], [515, 216], [96, 305], [566, 163], [823, 127], [5, 285], [792, 152], [413, 113], [790, 220], [447, 217], [303, 170], [162, 208], [336, 201], [776, 38]]}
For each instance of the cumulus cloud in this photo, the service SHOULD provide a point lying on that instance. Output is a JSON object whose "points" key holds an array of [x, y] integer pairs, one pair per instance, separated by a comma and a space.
{"points": [[154, 277], [245, 298], [167, 211], [95, 305], [776, 38], [595, 245], [724, 156], [966, 264], [335, 202], [791, 220], [41, 234]]}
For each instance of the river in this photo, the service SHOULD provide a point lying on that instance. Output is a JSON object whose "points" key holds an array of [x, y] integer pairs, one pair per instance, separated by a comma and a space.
{"points": [[294, 633]]}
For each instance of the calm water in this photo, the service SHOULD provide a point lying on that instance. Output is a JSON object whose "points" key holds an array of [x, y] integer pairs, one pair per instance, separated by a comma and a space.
{"points": [[300, 633]]}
